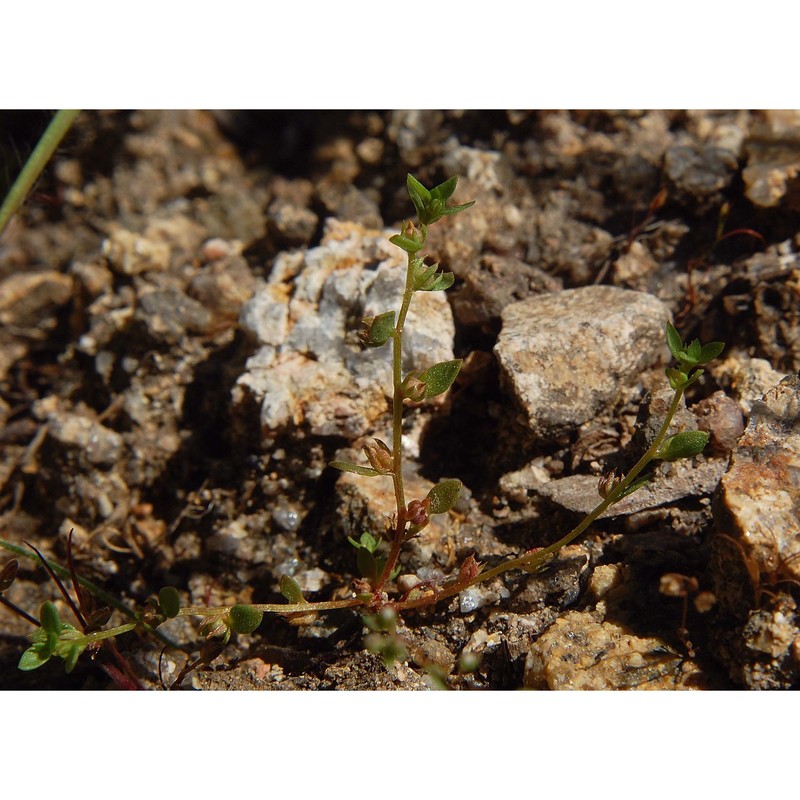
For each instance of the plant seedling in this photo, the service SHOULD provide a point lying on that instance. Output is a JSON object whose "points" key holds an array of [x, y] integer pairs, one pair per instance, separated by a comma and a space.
{"points": [[377, 553]]}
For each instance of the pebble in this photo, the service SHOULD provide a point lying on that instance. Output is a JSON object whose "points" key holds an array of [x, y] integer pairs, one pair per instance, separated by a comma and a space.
{"points": [[311, 370], [101, 446], [759, 499], [583, 651], [701, 172], [169, 314], [25, 297], [130, 253], [773, 159], [566, 357]]}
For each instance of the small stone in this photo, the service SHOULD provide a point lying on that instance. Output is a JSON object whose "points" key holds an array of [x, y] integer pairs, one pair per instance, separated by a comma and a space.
{"points": [[100, 445], [131, 253], [494, 283], [773, 163], [94, 277], [316, 374], [218, 249], [759, 499], [295, 225], [722, 418], [346, 202], [700, 172], [567, 356], [265, 316], [581, 651], [169, 314], [749, 378], [223, 287], [235, 216], [579, 493], [26, 297], [604, 578]]}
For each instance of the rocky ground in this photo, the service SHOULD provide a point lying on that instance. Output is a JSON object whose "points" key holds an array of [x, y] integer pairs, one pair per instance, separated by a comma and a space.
{"points": [[179, 362]]}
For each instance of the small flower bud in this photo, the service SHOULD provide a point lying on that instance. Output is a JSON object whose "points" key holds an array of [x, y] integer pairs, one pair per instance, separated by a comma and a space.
{"points": [[375, 331], [417, 514], [379, 456], [412, 232], [214, 626], [607, 483], [413, 388], [469, 569]]}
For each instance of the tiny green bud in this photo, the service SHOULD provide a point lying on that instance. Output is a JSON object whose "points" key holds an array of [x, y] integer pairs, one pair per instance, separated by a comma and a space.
{"points": [[413, 387], [683, 445], [170, 601], [244, 619], [412, 239], [376, 331], [677, 378]]}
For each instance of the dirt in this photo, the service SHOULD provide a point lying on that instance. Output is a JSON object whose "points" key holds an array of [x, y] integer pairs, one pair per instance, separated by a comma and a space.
{"points": [[123, 417]]}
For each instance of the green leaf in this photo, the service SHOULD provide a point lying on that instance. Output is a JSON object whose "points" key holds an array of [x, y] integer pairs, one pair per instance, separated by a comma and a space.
{"points": [[444, 495], [455, 209], [48, 618], [677, 378], [34, 657], [694, 376], [170, 601], [376, 331], [710, 351], [403, 242], [367, 541], [423, 276], [72, 653], [245, 619], [439, 378], [444, 280], [444, 190], [693, 351], [682, 445], [674, 341], [419, 195], [637, 484], [346, 466], [367, 564], [291, 590]]}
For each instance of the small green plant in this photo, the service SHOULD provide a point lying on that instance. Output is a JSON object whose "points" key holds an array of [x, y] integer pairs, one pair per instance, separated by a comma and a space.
{"points": [[374, 593]]}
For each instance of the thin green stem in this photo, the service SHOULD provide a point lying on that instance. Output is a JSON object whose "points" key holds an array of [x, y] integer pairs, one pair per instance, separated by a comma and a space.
{"points": [[110, 633], [397, 427], [273, 608], [541, 557], [34, 166], [397, 395], [99, 593]]}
